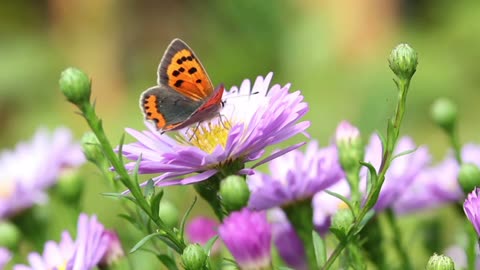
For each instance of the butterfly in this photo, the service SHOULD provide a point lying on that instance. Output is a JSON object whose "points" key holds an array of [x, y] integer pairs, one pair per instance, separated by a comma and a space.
{"points": [[184, 94]]}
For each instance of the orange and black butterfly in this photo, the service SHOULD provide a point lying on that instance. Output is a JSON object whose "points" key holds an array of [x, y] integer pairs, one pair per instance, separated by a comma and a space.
{"points": [[184, 94]]}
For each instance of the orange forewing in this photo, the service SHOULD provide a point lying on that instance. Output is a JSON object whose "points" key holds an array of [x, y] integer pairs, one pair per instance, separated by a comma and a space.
{"points": [[187, 76]]}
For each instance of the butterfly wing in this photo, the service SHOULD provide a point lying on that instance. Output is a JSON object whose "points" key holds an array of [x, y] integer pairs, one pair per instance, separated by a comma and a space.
{"points": [[181, 70], [166, 107]]}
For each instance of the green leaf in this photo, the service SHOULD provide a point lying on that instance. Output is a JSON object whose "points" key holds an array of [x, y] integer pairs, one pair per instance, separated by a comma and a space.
{"points": [[168, 261], [184, 218], [131, 220], [144, 240], [120, 149], [135, 172], [208, 246], [343, 199], [404, 153], [155, 203], [171, 244], [372, 175], [284, 268], [119, 196], [340, 234], [369, 215], [230, 263], [149, 189], [320, 249]]}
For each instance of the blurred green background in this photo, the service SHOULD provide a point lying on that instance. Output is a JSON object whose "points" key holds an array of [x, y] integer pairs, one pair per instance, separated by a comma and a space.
{"points": [[334, 51]]}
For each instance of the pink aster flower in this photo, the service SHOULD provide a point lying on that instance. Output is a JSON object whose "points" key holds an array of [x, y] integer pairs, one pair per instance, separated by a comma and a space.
{"points": [[295, 176], [472, 209], [201, 229], [32, 167], [5, 257], [248, 236], [84, 253], [253, 118]]}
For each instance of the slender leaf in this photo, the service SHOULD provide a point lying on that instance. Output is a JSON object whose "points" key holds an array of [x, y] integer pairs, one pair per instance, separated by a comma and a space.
{"points": [[168, 261], [369, 215], [120, 149], [343, 199], [373, 177], [119, 196], [131, 220], [144, 240], [155, 204], [404, 153], [171, 244], [208, 246], [320, 249], [149, 189]]}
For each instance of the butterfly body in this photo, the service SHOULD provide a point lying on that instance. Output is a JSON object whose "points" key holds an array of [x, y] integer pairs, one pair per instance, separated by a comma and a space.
{"points": [[184, 94]]}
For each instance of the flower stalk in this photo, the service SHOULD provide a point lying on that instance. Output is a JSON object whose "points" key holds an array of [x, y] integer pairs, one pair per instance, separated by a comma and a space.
{"points": [[74, 82], [403, 62]]}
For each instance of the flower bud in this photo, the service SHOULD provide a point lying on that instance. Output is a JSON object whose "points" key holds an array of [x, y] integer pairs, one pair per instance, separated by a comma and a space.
{"points": [[194, 257], [444, 113], [9, 235], [469, 177], [350, 147], [235, 193], [91, 147], [342, 220], [75, 85], [403, 61], [440, 262], [168, 213], [114, 250], [70, 186]]}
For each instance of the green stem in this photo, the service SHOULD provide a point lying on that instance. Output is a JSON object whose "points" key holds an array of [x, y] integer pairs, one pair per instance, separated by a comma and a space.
{"points": [[354, 182], [393, 132], [208, 190], [472, 242], [455, 142], [300, 216], [96, 125], [407, 264]]}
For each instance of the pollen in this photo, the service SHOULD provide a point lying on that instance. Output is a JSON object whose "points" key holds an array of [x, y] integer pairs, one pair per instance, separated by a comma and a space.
{"points": [[208, 136]]}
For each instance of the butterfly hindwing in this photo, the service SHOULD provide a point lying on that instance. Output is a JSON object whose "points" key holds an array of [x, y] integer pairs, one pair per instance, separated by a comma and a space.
{"points": [[166, 107], [181, 70]]}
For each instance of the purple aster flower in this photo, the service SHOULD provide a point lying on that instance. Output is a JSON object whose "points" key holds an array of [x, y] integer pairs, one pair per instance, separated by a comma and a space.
{"points": [[248, 236], [471, 153], [471, 206], [431, 188], [114, 250], [253, 118], [27, 171], [326, 205], [295, 176], [286, 240], [201, 229], [5, 257], [402, 171], [84, 253]]}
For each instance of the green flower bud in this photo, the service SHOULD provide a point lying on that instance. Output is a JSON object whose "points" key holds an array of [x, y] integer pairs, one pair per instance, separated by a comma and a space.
{"points": [[194, 257], [168, 213], [70, 186], [9, 235], [235, 193], [403, 61], [350, 147], [469, 177], [91, 147], [75, 85], [342, 220], [440, 262], [444, 113]]}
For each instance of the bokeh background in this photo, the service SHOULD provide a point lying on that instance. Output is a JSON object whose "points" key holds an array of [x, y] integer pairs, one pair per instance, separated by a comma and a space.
{"points": [[334, 51]]}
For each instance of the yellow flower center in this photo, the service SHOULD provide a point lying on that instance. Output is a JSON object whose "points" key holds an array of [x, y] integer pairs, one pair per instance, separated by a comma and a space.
{"points": [[207, 137], [6, 188]]}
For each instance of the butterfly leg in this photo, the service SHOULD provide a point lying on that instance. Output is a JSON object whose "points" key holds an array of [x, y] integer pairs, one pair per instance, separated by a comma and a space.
{"points": [[194, 131]]}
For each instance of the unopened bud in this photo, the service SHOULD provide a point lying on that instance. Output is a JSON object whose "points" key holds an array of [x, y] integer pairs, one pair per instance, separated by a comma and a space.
{"points": [[168, 213], [469, 177], [194, 257], [235, 193], [9, 235], [75, 85], [444, 113], [350, 147], [440, 262], [403, 61]]}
